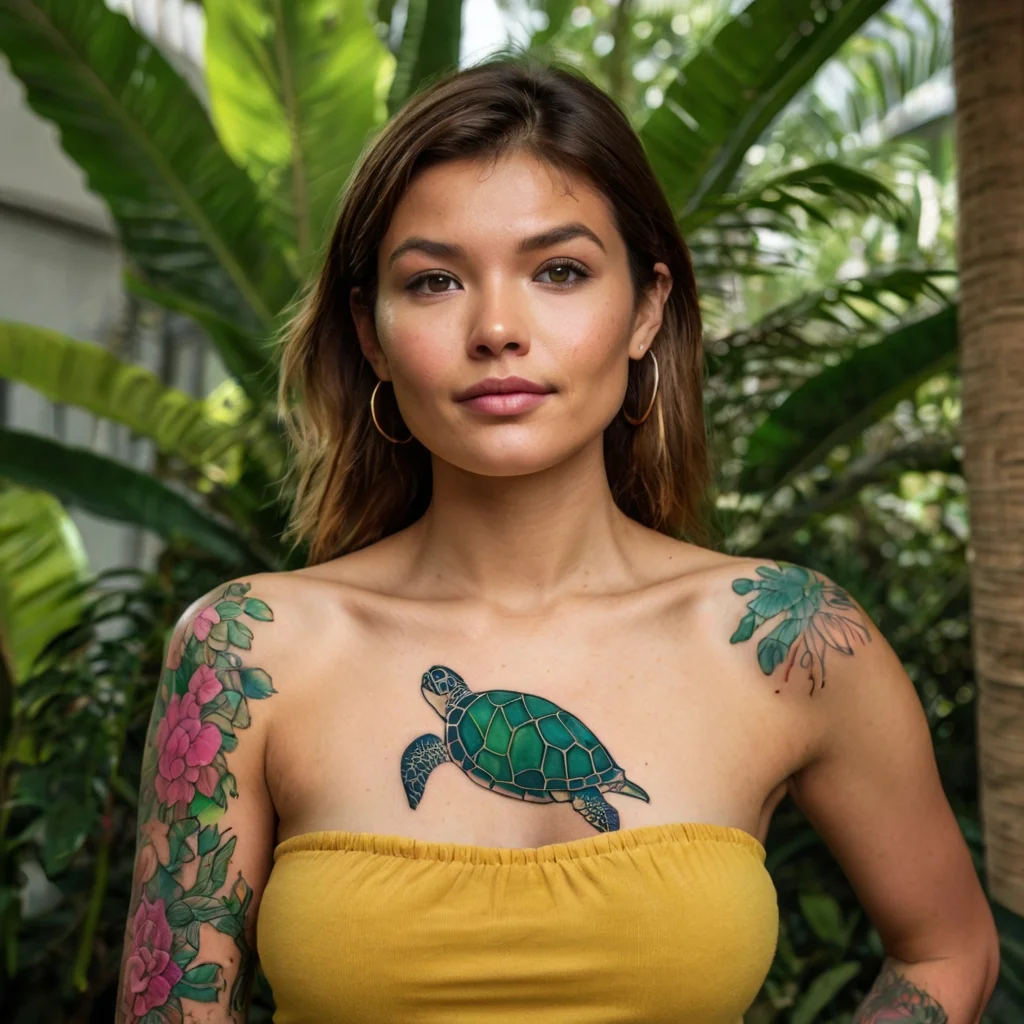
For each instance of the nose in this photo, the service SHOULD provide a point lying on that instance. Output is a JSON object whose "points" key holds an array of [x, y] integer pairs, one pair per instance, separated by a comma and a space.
{"points": [[500, 322]]}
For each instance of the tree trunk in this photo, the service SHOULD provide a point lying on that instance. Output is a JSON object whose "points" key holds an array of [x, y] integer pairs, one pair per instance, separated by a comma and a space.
{"points": [[989, 75]]}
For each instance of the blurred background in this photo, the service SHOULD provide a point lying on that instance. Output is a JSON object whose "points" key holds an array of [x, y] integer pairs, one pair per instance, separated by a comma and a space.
{"points": [[168, 173]]}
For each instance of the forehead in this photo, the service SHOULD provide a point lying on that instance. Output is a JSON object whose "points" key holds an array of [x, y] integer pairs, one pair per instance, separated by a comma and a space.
{"points": [[497, 198]]}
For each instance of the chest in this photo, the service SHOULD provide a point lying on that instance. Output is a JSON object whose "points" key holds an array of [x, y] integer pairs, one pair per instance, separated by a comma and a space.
{"points": [[612, 700]]}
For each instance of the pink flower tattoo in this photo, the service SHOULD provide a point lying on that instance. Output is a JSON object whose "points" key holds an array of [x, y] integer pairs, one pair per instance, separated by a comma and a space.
{"points": [[151, 971], [187, 746], [204, 622]]}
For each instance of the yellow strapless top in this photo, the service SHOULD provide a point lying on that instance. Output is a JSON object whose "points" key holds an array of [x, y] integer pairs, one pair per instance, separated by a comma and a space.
{"points": [[661, 924]]}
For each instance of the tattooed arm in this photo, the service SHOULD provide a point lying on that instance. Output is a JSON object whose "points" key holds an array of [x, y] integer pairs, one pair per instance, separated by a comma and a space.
{"points": [[872, 790], [205, 820], [904, 992]]}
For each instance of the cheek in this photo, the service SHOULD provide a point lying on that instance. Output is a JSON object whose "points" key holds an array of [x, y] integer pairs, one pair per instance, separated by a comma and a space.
{"points": [[423, 368], [595, 354], [420, 355]]}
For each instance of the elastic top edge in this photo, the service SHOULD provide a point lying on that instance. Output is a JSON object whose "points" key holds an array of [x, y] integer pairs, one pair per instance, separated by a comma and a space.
{"points": [[574, 849]]}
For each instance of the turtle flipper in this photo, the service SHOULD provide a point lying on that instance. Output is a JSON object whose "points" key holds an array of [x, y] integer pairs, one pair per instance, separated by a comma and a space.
{"points": [[596, 810], [627, 788], [421, 757]]}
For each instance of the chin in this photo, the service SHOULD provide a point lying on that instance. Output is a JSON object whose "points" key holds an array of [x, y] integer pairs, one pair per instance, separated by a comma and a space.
{"points": [[511, 460]]}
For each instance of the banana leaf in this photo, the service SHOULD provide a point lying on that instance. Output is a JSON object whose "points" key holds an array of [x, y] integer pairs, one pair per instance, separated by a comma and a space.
{"points": [[43, 574], [91, 377], [107, 488], [430, 46], [295, 89], [768, 202], [247, 355], [849, 309], [726, 95], [842, 400], [188, 217]]}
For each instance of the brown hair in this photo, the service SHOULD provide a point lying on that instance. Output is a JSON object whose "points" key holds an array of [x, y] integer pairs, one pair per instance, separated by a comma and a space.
{"points": [[352, 486]]}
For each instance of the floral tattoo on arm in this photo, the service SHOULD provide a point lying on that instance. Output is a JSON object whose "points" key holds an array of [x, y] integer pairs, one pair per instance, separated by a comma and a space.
{"points": [[894, 998], [816, 615], [183, 865]]}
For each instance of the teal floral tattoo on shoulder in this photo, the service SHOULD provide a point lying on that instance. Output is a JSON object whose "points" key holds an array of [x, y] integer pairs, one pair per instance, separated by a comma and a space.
{"points": [[812, 615], [183, 865]]}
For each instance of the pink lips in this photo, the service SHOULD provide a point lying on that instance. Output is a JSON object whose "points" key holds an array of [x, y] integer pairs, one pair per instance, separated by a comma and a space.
{"points": [[505, 404], [504, 396]]}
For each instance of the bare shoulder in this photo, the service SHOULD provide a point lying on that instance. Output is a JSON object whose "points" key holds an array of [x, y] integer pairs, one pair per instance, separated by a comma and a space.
{"points": [[794, 642], [793, 623], [267, 620]]}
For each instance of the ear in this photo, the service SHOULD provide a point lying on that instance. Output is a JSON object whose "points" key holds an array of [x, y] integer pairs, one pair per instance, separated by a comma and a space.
{"points": [[647, 321], [366, 331]]}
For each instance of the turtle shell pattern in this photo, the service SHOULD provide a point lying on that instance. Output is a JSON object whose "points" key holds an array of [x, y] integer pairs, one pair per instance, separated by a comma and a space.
{"points": [[525, 746]]}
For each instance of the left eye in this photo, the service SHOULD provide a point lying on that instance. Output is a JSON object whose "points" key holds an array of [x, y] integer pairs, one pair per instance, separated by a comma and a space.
{"points": [[564, 266]]}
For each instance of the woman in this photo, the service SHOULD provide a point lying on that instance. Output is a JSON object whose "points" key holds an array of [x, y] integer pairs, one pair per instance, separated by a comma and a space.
{"points": [[508, 748]]}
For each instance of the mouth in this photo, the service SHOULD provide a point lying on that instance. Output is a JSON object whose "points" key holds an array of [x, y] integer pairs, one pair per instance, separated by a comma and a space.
{"points": [[506, 403], [504, 395]]}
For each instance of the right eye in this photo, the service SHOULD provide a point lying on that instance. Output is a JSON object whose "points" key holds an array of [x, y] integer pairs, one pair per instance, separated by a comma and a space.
{"points": [[430, 275]]}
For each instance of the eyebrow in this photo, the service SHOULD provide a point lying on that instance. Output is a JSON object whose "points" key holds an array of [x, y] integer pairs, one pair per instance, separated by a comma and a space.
{"points": [[554, 236]]}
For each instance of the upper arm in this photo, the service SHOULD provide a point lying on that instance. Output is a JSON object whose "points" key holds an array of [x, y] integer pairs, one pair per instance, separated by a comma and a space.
{"points": [[872, 789], [206, 823]]}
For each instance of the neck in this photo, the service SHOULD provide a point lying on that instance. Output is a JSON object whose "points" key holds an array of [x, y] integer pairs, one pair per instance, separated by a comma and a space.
{"points": [[523, 542]]}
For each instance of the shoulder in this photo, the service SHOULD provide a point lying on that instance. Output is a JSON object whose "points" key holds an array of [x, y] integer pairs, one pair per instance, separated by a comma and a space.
{"points": [[812, 638], [791, 621], [263, 619], [859, 722], [802, 633], [230, 613]]}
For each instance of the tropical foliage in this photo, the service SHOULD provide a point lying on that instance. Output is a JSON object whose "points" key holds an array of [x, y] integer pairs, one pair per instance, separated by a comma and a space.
{"points": [[823, 243]]}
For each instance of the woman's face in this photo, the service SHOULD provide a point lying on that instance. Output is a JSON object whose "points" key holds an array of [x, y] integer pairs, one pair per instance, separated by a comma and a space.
{"points": [[470, 289]]}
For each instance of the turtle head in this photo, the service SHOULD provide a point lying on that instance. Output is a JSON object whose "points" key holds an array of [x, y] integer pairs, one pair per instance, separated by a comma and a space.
{"points": [[441, 686]]}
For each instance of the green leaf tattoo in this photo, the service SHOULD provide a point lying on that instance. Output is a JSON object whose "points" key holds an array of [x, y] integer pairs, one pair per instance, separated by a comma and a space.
{"points": [[202, 702], [518, 745], [894, 998], [816, 615]]}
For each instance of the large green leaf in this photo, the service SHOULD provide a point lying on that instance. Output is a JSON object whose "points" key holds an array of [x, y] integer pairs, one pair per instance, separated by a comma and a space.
{"points": [[430, 46], [886, 67], [93, 378], [818, 190], [295, 89], [842, 400], [246, 355], [43, 573], [835, 316], [730, 91], [188, 217], [865, 103], [822, 990], [843, 490], [110, 489]]}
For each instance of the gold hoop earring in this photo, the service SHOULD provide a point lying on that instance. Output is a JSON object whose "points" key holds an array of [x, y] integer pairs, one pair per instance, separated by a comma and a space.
{"points": [[650, 405], [373, 413]]}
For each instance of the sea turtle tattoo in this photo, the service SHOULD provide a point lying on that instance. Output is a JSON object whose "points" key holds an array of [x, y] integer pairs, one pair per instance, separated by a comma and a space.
{"points": [[516, 744]]}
